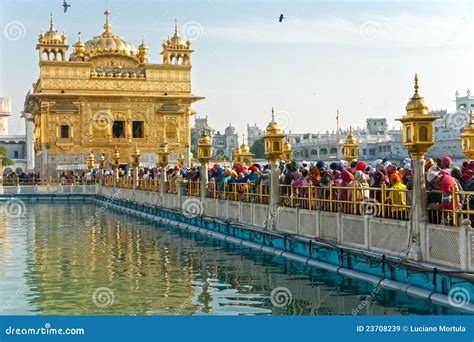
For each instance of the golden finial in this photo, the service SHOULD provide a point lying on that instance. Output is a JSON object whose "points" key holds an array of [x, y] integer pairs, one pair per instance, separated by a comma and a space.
{"points": [[350, 130], [107, 25], [51, 22], [78, 37], [176, 28], [416, 86], [143, 39], [273, 114]]}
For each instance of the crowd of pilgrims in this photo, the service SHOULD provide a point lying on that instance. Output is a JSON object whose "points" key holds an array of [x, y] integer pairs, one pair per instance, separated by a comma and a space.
{"points": [[440, 175]]}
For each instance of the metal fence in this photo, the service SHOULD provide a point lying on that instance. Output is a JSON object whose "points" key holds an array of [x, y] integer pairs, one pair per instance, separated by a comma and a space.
{"points": [[379, 202]]}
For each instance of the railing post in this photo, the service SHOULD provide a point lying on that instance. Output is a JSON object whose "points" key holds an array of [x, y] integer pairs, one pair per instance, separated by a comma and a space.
{"points": [[163, 187], [464, 244], [383, 198], [203, 184], [419, 210], [354, 198], [181, 190], [115, 178], [274, 192]]}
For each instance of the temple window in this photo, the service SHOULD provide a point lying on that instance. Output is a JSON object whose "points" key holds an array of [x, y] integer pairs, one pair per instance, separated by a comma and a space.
{"points": [[118, 129], [64, 131], [137, 127]]}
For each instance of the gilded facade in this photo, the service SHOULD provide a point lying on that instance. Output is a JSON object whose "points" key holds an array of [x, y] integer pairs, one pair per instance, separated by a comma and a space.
{"points": [[107, 95]]}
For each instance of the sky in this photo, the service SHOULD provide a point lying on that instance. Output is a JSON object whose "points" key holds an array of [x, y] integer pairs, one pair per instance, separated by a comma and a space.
{"points": [[358, 57]]}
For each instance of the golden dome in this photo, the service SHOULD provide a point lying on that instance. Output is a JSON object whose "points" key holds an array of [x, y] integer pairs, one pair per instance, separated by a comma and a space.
{"points": [[143, 46], [136, 151], [287, 146], [52, 36], [244, 148], [273, 127], [108, 43], [176, 43], [205, 139], [350, 140], [416, 105]]}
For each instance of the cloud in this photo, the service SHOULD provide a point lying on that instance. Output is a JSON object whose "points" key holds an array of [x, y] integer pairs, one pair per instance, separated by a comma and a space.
{"points": [[371, 31]]}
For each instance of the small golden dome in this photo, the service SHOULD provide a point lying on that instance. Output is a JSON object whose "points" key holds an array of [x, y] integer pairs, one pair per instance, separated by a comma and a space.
{"points": [[143, 46], [108, 43], [416, 105], [136, 151], [287, 146], [205, 139], [244, 148], [273, 127], [351, 140], [176, 42], [52, 36]]}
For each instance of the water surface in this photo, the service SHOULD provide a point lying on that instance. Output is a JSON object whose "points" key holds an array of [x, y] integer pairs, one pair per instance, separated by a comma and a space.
{"points": [[55, 260]]}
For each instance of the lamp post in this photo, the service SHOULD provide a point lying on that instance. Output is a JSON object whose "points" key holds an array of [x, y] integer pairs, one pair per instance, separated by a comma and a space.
{"points": [[236, 155], [181, 159], [273, 152], [467, 138], [351, 148], [417, 138], [101, 167], [115, 161], [245, 155], [163, 154], [136, 163], [287, 151], [204, 156], [90, 162]]}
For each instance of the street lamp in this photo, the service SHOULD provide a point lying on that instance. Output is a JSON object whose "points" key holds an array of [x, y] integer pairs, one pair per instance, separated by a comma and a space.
{"points": [[351, 148], [245, 154], [136, 163], [204, 148], [163, 154], [287, 151], [273, 140], [101, 166], [115, 161], [273, 151], [417, 126], [417, 138], [236, 155], [90, 160], [204, 155], [467, 138]]}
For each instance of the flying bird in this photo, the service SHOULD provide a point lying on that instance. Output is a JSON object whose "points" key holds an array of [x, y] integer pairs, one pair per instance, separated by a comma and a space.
{"points": [[65, 5], [281, 18]]}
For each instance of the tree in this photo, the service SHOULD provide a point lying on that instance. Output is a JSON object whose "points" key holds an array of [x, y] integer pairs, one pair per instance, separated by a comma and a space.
{"points": [[5, 160], [258, 148]]}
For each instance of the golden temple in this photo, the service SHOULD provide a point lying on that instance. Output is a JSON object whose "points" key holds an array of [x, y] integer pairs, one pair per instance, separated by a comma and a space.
{"points": [[106, 95]]}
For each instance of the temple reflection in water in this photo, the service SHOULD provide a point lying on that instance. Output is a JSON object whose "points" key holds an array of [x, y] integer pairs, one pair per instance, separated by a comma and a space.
{"points": [[155, 271]]}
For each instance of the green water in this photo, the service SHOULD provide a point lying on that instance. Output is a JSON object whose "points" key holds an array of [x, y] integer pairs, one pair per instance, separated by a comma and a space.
{"points": [[54, 260]]}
